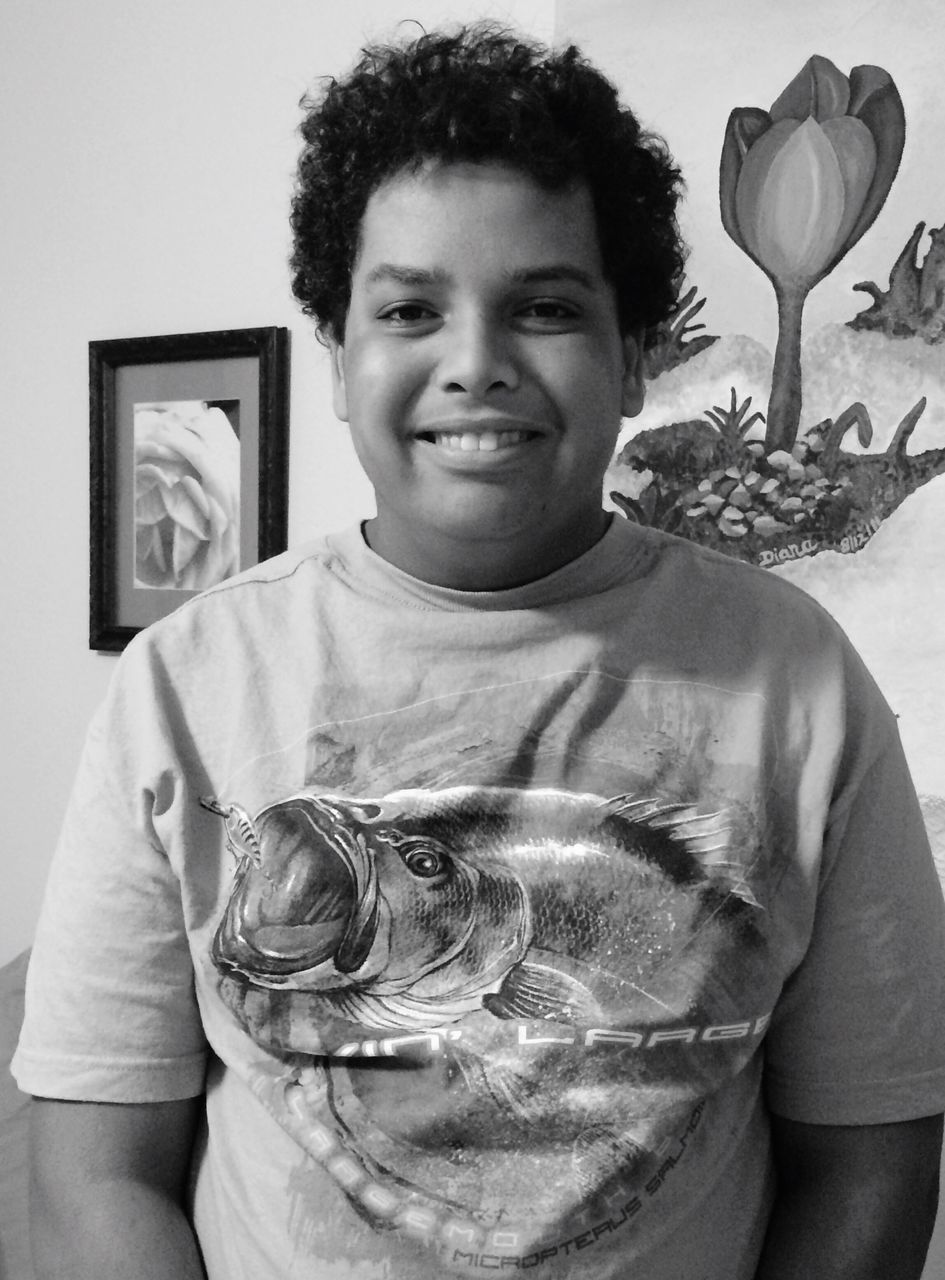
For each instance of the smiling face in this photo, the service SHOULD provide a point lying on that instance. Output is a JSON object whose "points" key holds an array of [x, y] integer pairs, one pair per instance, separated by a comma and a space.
{"points": [[483, 374]]}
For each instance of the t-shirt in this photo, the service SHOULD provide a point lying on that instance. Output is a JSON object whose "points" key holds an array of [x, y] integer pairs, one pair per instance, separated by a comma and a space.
{"points": [[498, 921]]}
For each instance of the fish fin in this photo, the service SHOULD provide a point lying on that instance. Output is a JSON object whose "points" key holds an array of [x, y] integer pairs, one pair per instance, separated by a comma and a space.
{"points": [[731, 877], [601, 1152], [682, 822], [517, 1094], [521, 1096], [704, 836], [630, 806], [709, 851], [539, 992]]}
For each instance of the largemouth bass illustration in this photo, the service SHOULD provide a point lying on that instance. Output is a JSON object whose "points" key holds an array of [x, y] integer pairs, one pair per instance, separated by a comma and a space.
{"points": [[358, 926], [415, 909]]}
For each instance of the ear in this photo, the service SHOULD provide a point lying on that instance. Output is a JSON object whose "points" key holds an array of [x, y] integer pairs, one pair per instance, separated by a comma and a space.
{"points": [[339, 391], [631, 401]]}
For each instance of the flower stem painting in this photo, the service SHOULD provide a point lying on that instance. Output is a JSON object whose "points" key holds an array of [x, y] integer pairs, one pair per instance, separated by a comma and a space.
{"points": [[188, 469], [799, 185]]}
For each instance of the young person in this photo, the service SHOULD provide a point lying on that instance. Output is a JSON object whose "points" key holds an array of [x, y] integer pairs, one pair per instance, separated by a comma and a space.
{"points": [[495, 886]]}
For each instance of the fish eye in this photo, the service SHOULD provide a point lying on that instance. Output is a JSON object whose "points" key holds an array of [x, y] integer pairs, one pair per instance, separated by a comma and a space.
{"points": [[424, 863], [420, 855]]}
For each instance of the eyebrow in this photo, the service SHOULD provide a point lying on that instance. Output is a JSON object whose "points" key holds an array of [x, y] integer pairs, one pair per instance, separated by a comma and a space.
{"points": [[554, 271], [420, 277], [411, 277]]}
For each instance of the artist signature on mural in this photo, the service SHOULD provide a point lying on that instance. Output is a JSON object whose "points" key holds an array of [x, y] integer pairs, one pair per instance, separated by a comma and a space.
{"points": [[850, 542]]}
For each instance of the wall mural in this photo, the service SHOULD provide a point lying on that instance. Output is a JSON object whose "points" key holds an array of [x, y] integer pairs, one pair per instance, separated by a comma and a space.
{"points": [[799, 185], [819, 455]]}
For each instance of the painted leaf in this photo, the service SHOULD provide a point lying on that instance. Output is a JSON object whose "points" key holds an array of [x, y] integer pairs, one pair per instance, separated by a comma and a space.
{"points": [[879, 107], [867, 82], [750, 190], [791, 199], [745, 126], [819, 89], [856, 155]]}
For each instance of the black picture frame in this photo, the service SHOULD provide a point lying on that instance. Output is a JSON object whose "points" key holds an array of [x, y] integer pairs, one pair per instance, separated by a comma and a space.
{"points": [[194, 425]]}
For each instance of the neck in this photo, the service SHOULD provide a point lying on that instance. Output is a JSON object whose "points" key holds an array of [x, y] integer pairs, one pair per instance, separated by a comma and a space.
{"points": [[484, 565]]}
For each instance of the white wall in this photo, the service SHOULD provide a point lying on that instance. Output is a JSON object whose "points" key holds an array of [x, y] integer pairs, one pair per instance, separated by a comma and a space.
{"points": [[145, 167]]}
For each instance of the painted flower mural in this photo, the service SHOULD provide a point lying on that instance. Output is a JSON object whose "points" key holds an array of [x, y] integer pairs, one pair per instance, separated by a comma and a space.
{"points": [[798, 186], [187, 476]]}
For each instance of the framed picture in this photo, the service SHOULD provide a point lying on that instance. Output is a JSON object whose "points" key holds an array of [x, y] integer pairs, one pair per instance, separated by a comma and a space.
{"points": [[189, 469]]}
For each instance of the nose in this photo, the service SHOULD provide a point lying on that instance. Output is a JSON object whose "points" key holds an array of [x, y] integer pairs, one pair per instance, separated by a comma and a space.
{"points": [[477, 357]]}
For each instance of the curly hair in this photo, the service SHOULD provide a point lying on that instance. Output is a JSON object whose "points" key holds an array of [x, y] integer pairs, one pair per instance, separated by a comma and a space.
{"points": [[483, 95]]}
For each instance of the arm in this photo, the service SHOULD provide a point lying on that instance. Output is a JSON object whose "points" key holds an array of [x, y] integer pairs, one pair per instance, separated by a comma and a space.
{"points": [[856, 1201], [106, 1190]]}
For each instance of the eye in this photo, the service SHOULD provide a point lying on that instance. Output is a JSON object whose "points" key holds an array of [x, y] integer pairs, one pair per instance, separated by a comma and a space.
{"points": [[421, 856], [424, 863], [404, 315], [548, 313]]}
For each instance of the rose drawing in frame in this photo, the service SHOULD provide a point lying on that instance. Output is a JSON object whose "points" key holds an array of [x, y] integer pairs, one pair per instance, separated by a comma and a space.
{"points": [[189, 469], [187, 495]]}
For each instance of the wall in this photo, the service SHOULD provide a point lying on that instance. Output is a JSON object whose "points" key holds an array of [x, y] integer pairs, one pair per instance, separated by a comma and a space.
{"points": [[146, 164]]}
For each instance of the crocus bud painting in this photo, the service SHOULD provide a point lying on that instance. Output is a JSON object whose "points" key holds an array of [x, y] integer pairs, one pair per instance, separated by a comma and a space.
{"points": [[768, 474], [799, 184]]}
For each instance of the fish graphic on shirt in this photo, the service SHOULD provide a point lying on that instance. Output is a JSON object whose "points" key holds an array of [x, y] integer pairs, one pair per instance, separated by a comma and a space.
{"points": [[422, 906], [489, 909]]}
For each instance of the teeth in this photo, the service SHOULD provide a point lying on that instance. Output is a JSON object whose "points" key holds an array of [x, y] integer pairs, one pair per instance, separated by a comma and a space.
{"points": [[479, 442]]}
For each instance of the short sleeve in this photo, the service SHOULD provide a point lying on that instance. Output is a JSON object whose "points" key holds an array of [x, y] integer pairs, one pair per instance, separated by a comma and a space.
{"points": [[858, 1036], [111, 1013]]}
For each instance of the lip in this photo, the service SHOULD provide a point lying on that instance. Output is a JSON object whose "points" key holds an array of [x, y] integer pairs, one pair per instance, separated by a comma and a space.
{"points": [[478, 441], [477, 426]]}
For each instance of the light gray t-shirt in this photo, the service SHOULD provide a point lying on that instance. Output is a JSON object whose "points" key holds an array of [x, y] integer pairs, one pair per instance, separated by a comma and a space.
{"points": [[498, 920]]}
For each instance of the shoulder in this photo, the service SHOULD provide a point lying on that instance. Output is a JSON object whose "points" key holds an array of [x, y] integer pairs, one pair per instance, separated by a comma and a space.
{"points": [[234, 634], [753, 628], [281, 574], [262, 597], [708, 585]]}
